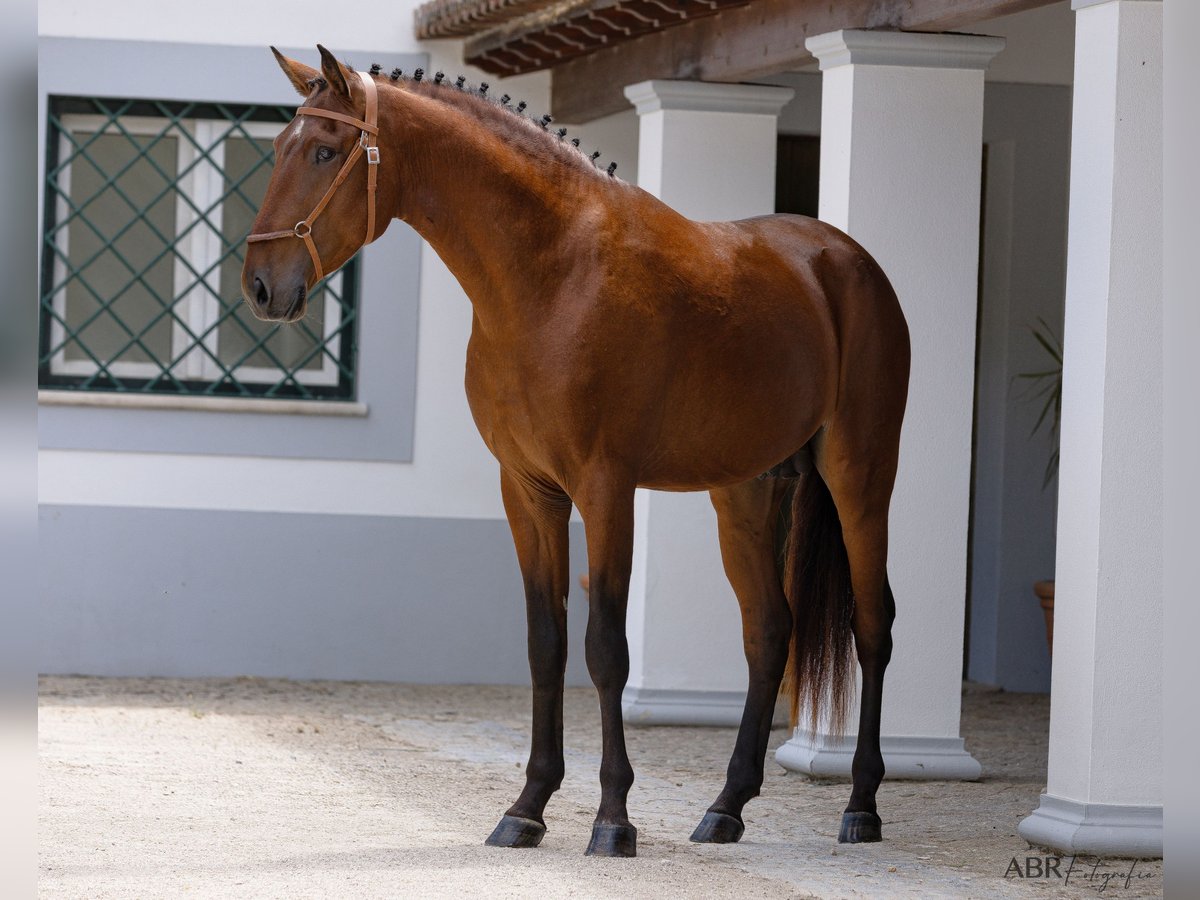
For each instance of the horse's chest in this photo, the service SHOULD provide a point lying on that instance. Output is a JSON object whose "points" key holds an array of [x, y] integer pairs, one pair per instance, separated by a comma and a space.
{"points": [[514, 401]]}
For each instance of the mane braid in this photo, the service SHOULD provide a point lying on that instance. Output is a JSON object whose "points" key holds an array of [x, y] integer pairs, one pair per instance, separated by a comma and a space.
{"points": [[494, 112]]}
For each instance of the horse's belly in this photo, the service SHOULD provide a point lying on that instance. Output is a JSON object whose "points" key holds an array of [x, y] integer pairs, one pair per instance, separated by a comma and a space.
{"points": [[701, 458]]}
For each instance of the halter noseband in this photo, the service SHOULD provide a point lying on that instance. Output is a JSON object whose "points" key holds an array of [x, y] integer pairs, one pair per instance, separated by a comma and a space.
{"points": [[366, 144]]}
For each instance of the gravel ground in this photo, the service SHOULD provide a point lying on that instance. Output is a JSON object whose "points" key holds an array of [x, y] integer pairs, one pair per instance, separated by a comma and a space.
{"points": [[270, 788]]}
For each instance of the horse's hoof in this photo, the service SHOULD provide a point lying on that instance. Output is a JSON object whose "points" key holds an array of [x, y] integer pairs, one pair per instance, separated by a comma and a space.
{"points": [[718, 828], [860, 828], [612, 840], [513, 831]]}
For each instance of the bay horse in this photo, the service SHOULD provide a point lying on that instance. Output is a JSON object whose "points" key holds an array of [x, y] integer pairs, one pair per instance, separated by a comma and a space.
{"points": [[616, 344]]}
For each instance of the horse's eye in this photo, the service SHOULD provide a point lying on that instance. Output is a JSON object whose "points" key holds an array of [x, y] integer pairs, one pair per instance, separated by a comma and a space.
{"points": [[325, 154]]}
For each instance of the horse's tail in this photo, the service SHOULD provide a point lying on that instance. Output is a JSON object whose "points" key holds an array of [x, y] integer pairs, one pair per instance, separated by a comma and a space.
{"points": [[816, 579]]}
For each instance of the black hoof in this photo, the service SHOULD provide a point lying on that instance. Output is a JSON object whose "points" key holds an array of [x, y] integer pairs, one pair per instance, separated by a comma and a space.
{"points": [[718, 828], [860, 828], [513, 831], [612, 840]]}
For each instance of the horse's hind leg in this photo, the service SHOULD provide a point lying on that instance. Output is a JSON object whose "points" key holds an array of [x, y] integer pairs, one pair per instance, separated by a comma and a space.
{"points": [[538, 518], [746, 518], [861, 488]]}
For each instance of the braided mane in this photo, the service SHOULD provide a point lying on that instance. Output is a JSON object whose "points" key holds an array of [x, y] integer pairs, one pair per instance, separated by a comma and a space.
{"points": [[497, 112]]}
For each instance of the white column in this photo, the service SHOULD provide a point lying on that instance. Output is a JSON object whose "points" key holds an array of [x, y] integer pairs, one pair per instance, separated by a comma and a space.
{"points": [[901, 151], [1104, 784], [708, 150]]}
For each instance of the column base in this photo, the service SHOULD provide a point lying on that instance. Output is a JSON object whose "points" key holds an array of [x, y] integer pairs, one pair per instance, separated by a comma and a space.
{"points": [[667, 706], [1103, 829], [827, 756]]}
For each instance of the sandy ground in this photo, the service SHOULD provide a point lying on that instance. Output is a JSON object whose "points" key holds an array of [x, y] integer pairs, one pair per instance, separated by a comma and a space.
{"points": [[265, 788]]}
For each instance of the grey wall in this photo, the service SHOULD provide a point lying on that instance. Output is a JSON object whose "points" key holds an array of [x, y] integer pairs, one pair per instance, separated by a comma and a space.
{"points": [[130, 591], [1027, 129], [801, 114]]}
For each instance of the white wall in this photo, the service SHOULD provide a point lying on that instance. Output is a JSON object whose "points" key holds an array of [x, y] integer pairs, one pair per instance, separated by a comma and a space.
{"points": [[452, 474], [294, 23]]}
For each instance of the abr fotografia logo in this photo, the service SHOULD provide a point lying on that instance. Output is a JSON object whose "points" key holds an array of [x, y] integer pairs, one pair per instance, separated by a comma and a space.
{"points": [[1094, 872]]}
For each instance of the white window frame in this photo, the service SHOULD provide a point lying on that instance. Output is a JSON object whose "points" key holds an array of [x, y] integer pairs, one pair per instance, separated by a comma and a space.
{"points": [[204, 185]]}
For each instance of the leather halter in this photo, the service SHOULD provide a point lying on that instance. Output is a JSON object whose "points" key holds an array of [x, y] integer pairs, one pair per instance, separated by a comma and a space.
{"points": [[366, 145]]}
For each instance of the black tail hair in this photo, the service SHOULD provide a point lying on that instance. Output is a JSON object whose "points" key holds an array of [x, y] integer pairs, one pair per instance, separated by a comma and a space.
{"points": [[816, 579]]}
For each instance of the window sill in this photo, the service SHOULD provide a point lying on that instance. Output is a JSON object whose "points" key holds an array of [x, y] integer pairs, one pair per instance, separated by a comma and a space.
{"points": [[202, 404]]}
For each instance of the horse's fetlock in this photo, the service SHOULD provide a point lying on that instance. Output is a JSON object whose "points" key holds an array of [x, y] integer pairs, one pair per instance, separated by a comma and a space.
{"points": [[547, 774], [868, 770], [617, 774]]}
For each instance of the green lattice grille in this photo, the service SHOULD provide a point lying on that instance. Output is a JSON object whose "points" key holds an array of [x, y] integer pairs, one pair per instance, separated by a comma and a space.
{"points": [[147, 207]]}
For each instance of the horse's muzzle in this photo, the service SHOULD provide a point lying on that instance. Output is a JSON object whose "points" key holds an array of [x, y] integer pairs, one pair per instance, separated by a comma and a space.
{"points": [[274, 302]]}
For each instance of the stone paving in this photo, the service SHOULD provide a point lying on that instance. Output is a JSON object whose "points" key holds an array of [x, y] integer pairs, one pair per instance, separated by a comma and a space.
{"points": [[271, 788]]}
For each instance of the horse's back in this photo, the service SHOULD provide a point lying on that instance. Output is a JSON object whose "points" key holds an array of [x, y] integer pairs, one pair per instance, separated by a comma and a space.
{"points": [[744, 333]]}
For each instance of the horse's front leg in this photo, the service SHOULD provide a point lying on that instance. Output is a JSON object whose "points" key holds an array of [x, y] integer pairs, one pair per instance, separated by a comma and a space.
{"points": [[606, 505], [538, 517]]}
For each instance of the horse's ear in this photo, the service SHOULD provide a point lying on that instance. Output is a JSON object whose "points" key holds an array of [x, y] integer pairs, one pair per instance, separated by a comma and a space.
{"points": [[335, 73], [298, 74]]}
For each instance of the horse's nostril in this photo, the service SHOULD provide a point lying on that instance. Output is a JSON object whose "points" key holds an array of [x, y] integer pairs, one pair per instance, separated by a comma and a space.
{"points": [[261, 294]]}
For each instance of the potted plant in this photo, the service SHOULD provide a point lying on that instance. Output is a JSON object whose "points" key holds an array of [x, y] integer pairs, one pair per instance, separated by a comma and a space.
{"points": [[1046, 386]]}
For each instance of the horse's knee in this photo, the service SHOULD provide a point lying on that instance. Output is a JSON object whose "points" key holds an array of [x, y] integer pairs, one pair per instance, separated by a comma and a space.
{"points": [[607, 662], [547, 661], [605, 646]]}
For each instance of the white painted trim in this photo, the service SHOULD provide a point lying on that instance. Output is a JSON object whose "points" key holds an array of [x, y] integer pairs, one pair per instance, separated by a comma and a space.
{"points": [[1104, 829], [1077, 5], [202, 404], [903, 48], [909, 757], [749, 99], [660, 706], [664, 706]]}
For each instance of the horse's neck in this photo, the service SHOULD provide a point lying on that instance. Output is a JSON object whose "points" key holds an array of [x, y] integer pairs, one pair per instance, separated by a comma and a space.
{"points": [[486, 208]]}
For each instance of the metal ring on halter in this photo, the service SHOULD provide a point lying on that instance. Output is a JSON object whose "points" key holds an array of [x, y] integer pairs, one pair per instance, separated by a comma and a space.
{"points": [[307, 229]]}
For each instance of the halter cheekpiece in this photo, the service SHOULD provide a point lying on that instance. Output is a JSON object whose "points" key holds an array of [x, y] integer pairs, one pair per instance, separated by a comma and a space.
{"points": [[367, 146]]}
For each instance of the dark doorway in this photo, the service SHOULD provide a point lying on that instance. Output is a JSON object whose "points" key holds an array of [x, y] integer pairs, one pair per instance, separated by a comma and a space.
{"points": [[797, 174]]}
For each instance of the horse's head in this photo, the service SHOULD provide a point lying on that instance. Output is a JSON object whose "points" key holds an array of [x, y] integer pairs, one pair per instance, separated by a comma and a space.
{"points": [[318, 173]]}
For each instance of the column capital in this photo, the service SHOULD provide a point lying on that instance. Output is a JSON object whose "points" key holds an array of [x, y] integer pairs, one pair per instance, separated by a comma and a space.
{"points": [[703, 96], [903, 48]]}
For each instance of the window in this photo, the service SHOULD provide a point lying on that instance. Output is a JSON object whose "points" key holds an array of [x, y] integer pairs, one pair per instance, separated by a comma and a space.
{"points": [[147, 206]]}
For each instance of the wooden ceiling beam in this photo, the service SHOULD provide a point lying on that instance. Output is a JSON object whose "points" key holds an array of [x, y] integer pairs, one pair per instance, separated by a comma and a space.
{"points": [[763, 38], [551, 35]]}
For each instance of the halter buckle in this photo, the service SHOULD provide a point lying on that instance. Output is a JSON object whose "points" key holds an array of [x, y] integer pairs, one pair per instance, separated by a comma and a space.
{"points": [[372, 152]]}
